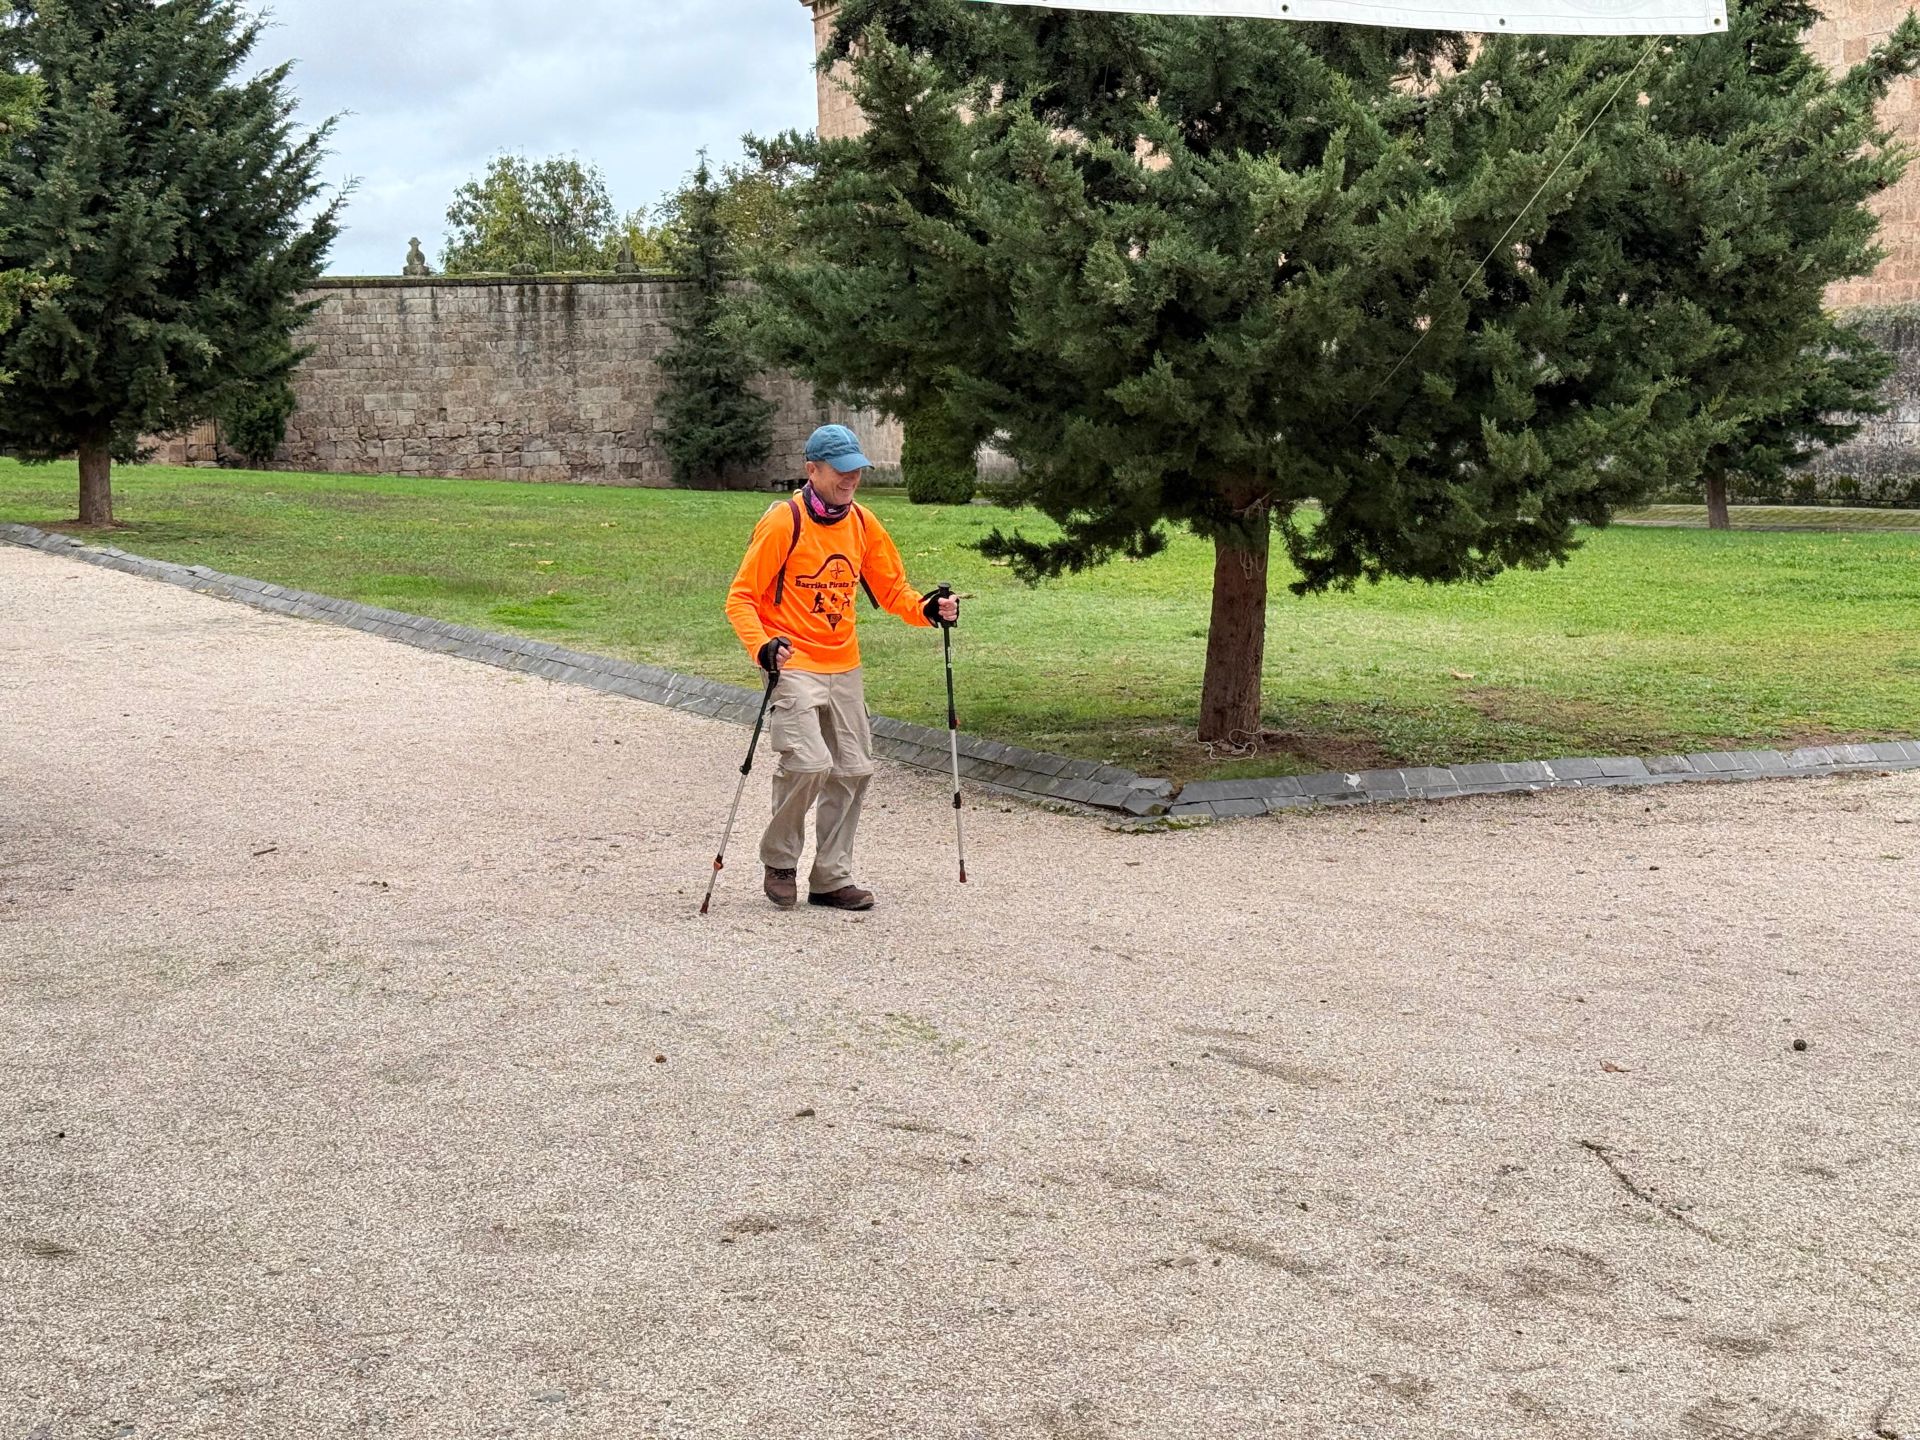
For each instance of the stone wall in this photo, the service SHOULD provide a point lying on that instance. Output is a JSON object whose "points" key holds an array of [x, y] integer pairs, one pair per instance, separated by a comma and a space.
{"points": [[199, 447], [1881, 465], [536, 379], [539, 379]]}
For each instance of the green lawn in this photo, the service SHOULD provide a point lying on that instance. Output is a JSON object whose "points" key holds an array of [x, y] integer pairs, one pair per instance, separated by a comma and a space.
{"points": [[1651, 640]]}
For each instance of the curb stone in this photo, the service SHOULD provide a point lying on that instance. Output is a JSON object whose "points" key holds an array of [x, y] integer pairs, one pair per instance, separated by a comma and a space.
{"points": [[1055, 780]]}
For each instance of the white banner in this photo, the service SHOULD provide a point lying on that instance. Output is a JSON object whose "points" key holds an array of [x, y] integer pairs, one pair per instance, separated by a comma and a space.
{"points": [[1520, 17]]}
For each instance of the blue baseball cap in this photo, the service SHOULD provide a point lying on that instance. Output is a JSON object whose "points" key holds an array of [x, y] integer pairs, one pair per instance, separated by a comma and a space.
{"points": [[839, 447]]}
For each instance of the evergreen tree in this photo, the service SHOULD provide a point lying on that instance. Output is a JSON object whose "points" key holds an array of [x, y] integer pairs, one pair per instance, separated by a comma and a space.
{"points": [[165, 198], [712, 423], [254, 420], [1420, 309], [938, 461], [1793, 155], [19, 94]]}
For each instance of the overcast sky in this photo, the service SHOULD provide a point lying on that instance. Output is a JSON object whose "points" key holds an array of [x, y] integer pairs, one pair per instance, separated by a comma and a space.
{"points": [[437, 87]]}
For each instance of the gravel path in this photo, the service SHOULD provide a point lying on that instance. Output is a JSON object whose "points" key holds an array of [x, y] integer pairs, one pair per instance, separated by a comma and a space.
{"points": [[368, 1072]]}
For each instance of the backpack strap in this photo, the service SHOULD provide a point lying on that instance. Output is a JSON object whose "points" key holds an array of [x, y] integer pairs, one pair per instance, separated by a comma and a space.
{"points": [[860, 518], [780, 582]]}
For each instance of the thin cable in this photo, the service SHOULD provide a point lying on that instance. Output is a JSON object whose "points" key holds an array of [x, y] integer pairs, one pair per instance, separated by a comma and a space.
{"points": [[1578, 140]]}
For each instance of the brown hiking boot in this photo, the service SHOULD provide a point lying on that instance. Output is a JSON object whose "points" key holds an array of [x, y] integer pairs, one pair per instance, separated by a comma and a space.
{"points": [[847, 897], [782, 888]]}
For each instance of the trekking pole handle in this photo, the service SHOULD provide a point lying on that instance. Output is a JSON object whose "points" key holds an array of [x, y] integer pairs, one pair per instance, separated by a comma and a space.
{"points": [[944, 591]]}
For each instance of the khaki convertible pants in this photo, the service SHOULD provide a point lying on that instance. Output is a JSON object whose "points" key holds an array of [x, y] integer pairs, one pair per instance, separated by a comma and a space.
{"points": [[820, 732]]}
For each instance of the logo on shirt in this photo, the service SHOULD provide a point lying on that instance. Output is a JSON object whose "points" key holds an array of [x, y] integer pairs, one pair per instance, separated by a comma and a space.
{"points": [[829, 590]]}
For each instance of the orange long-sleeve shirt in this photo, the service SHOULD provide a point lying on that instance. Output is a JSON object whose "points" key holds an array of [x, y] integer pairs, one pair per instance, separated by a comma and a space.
{"points": [[804, 587]]}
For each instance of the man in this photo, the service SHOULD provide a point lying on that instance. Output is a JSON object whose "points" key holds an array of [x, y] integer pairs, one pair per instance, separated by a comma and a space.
{"points": [[792, 605]]}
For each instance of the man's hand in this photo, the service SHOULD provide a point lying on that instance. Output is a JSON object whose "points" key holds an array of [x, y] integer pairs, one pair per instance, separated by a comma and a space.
{"points": [[773, 655], [940, 607]]}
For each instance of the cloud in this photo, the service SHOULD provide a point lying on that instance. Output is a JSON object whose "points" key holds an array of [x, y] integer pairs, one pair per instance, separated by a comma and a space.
{"points": [[428, 93]]}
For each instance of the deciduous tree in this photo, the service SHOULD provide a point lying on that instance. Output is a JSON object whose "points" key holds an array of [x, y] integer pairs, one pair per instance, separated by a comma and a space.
{"points": [[552, 214]]}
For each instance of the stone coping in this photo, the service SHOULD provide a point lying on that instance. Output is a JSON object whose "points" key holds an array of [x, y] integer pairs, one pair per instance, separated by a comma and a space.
{"points": [[493, 282], [992, 764]]}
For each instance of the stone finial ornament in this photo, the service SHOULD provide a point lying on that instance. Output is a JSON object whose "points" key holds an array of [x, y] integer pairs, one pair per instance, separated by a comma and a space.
{"points": [[625, 264], [416, 259]]}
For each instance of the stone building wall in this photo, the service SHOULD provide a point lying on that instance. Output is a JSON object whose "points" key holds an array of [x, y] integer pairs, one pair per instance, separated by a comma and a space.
{"points": [[1843, 38], [537, 379], [840, 116]]}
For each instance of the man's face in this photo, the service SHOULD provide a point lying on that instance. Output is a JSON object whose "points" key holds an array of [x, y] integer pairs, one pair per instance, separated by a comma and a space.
{"points": [[836, 487]]}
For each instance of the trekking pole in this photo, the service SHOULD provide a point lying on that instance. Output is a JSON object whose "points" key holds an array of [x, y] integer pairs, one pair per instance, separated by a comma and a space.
{"points": [[953, 735], [720, 859]]}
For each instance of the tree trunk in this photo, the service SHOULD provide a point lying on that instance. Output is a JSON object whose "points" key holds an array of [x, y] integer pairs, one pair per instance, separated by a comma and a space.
{"points": [[1237, 636], [1717, 518], [96, 485]]}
